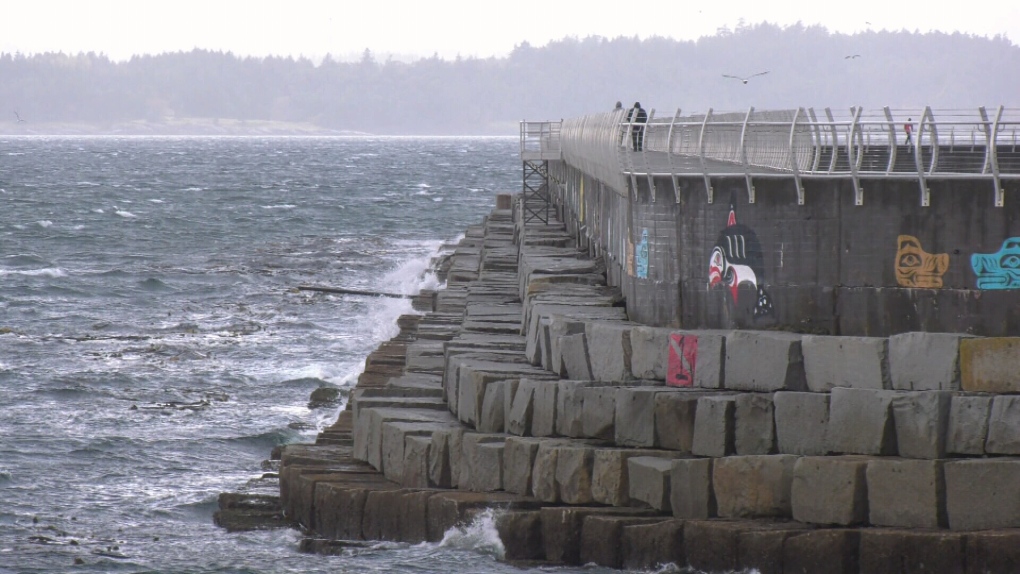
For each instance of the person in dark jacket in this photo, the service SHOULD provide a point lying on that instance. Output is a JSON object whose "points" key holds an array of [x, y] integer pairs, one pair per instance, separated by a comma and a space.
{"points": [[639, 117]]}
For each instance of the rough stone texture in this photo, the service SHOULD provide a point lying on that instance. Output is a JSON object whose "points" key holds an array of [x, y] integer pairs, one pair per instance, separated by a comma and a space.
{"points": [[444, 457], [906, 493], [763, 361], [520, 531], [990, 364], [509, 392], [884, 551], [754, 426], [574, 350], [598, 412], [394, 435], [609, 475], [710, 372], [447, 509], [609, 350], [649, 352], [674, 419], [416, 461], [543, 472], [602, 538], [561, 326], [649, 480], [829, 550], [837, 361], [562, 528], [712, 545], [1004, 426], [491, 418], [574, 474], [543, 418], [830, 490], [714, 426], [993, 551], [761, 549], [523, 408], [569, 408], [653, 545], [968, 424], [921, 361], [690, 492], [861, 422], [382, 516], [518, 460], [481, 468], [921, 419], [753, 486], [635, 416], [413, 514], [802, 421], [982, 494]]}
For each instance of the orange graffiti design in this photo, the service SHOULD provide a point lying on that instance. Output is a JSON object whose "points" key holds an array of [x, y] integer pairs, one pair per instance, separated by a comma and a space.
{"points": [[915, 267]]}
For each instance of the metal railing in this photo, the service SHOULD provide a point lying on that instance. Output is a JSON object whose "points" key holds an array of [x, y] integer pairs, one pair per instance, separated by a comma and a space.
{"points": [[798, 144], [540, 140]]}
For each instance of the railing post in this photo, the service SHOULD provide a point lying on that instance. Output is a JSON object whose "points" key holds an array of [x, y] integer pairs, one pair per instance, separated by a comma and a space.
{"points": [[701, 157], [669, 152], [919, 161], [892, 140], [852, 156], [992, 155], [793, 157], [743, 154]]}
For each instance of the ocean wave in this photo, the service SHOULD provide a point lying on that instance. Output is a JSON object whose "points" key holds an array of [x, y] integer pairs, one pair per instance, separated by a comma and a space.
{"points": [[48, 272], [480, 535], [125, 214], [283, 206]]}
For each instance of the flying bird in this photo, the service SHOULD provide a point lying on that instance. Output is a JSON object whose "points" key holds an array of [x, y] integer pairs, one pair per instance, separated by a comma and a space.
{"points": [[747, 78], [851, 57], [17, 115]]}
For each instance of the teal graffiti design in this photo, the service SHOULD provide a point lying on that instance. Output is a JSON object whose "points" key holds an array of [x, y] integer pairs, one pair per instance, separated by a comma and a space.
{"points": [[641, 255], [999, 270]]}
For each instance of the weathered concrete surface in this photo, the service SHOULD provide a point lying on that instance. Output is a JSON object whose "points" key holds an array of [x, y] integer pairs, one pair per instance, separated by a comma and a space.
{"points": [[968, 424], [1004, 426], [921, 419], [518, 460], [649, 352], [690, 493], [574, 354], [444, 457], [569, 408], [649, 480], [754, 424], [609, 350], [653, 545], [855, 362], [925, 361], [802, 422], [990, 364], [520, 531], [764, 361], [635, 416], [598, 412], [447, 509], [481, 467], [830, 490], [574, 465], [906, 493], [887, 551], [602, 540], [994, 504], [861, 422], [675, 414], [714, 426], [827, 550], [753, 486], [562, 529]]}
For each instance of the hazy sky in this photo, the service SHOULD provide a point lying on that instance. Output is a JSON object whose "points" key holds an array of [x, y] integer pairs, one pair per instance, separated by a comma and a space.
{"points": [[480, 28]]}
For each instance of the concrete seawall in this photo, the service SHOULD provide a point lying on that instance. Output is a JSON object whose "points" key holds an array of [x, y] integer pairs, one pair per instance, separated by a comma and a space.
{"points": [[524, 386]]}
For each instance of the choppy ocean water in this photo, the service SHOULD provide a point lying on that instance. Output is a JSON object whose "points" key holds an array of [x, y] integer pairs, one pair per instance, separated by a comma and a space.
{"points": [[153, 347]]}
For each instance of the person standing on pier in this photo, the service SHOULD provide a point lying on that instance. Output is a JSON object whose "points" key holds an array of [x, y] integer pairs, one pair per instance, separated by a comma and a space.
{"points": [[637, 116], [908, 128]]}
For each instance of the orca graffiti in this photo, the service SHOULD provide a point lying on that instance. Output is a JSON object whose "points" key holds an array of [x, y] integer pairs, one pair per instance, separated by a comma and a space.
{"points": [[737, 260]]}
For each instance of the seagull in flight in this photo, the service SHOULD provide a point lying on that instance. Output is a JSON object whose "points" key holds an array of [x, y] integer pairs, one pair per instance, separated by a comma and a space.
{"points": [[17, 115], [747, 78], [851, 57]]}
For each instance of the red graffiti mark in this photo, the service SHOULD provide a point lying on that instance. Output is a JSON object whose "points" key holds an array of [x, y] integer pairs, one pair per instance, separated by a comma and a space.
{"points": [[683, 357]]}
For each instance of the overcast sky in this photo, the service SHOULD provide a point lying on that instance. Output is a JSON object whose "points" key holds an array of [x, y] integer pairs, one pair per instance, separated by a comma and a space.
{"points": [[479, 28]]}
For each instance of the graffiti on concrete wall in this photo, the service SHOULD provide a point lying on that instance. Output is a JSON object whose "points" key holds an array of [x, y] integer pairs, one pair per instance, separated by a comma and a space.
{"points": [[999, 270], [737, 260], [641, 256], [683, 359], [915, 267]]}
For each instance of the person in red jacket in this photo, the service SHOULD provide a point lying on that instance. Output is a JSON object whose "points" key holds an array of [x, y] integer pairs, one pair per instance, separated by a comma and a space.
{"points": [[908, 128]]}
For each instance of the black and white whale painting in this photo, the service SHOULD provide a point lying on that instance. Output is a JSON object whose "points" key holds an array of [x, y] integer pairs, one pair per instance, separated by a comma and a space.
{"points": [[737, 260]]}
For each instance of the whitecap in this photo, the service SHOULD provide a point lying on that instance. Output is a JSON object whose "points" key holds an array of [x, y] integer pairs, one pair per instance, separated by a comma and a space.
{"points": [[437, 199], [46, 272], [193, 189], [156, 201], [424, 185], [283, 206], [44, 223], [125, 214], [98, 210], [480, 535]]}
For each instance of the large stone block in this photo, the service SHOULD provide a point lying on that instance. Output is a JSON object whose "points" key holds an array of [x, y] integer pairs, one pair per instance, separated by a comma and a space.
{"points": [[754, 425], [543, 418], [394, 435], [968, 424], [602, 538], [906, 493], [690, 491], [712, 545], [444, 457], [574, 473], [921, 420], [447, 509], [561, 326], [802, 422], [520, 531], [830, 490], [828, 550], [518, 459], [574, 354], [982, 494], [654, 545], [481, 468], [598, 412], [861, 422], [993, 551], [543, 472], [764, 361], [753, 486], [491, 418], [990, 364], [569, 408], [1004, 426], [523, 408], [837, 361], [635, 416], [710, 369], [562, 528], [714, 426], [649, 480], [675, 414], [609, 475], [649, 351], [920, 361], [416, 462], [609, 350], [761, 549], [886, 551]]}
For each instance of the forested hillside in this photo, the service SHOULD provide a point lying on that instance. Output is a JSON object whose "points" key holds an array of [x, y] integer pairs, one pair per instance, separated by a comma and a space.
{"points": [[808, 66]]}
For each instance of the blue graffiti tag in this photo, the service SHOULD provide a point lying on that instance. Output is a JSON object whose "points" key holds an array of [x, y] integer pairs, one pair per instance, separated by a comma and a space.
{"points": [[642, 255], [999, 270]]}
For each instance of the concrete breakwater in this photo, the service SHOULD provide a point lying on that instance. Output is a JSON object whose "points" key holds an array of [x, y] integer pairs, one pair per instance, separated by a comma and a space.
{"points": [[525, 387]]}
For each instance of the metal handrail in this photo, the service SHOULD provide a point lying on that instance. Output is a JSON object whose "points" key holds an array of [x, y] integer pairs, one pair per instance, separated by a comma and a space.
{"points": [[858, 144]]}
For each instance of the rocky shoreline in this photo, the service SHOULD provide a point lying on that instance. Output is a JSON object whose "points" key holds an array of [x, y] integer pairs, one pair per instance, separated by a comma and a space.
{"points": [[523, 387]]}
